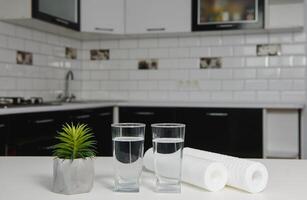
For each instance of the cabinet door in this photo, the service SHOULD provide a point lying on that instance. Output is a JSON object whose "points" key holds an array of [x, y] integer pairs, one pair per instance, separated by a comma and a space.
{"points": [[99, 120], [102, 16], [4, 127], [103, 120], [158, 16], [32, 134], [147, 116], [236, 132]]}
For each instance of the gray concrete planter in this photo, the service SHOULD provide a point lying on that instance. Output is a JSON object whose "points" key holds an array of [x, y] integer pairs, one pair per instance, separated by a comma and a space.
{"points": [[73, 177]]}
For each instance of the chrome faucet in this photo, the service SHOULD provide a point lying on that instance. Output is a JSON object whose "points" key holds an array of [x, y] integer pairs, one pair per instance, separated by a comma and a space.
{"points": [[67, 96]]}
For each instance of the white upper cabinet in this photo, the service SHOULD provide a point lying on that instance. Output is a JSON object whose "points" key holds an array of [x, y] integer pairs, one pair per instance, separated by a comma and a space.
{"points": [[284, 14], [158, 16], [103, 16]]}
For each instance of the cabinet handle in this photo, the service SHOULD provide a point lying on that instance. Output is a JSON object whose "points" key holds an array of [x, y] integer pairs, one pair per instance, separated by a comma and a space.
{"points": [[83, 116], [2, 125], [225, 25], [155, 29], [217, 114], [44, 121], [145, 113], [104, 29], [62, 21], [104, 114]]}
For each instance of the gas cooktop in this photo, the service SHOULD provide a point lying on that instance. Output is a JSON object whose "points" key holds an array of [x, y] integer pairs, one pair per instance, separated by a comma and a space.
{"points": [[11, 102]]}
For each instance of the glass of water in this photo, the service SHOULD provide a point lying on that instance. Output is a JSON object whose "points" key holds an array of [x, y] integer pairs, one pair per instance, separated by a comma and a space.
{"points": [[128, 148], [168, 142]]}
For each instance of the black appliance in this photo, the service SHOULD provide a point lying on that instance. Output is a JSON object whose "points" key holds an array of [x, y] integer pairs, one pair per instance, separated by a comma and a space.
{"points": [[210, 15], [61, 12]]}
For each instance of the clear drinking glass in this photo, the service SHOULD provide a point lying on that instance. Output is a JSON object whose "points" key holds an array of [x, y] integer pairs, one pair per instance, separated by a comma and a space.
{"points": [[168, 142], [128, 148]]}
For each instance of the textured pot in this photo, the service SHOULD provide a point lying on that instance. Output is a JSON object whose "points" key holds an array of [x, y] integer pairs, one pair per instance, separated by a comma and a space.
{"points": [[73, 177]]}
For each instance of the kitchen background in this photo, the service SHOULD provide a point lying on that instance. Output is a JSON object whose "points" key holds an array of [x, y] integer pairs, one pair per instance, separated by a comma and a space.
{"points": [[243, 76]]}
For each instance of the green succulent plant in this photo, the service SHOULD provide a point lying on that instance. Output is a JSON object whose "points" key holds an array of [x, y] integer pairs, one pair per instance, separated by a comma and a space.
{"points": [[75, 141]]}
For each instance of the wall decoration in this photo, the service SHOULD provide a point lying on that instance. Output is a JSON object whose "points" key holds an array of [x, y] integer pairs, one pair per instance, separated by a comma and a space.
{"points": [[210, 63], [24, 58], [71, 53], [268, 50], [148, 64], [100, 54]]}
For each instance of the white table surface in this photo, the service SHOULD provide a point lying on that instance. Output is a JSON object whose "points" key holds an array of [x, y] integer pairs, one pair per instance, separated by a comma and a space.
{"points": [[30, 178]]}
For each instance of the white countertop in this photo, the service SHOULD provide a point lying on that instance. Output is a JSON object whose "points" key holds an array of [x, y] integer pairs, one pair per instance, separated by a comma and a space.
{"points": [[101, 104], [30, 178]]}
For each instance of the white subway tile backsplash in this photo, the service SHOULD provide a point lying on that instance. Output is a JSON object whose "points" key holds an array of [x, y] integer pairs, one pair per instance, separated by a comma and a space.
{"points": [[7, 29], [128, 85], [292, 73], [256, 84], [220, 74], [233, 39], [299, 37], [158, 53], [158, 75], [179, 52], [221, 51], [138, 75], [233, 62], [200, 96], [280, 38], [148, 85], [268, 96], [232, 85], [109, 44], [3, 41], [257, 61], [119, 54], [168, 42], [299, 85], [222, 96], [210, 40], [200, 52], [257, 39], [16, 43], [128, 44], [244, 73], [211, 85], [118, 75], [148, 43], [268, 73], [22, 32], [278, 61], [179, 75], [7, 56], [299, 61], [167, 85], [243, 77], [245, 50], [138, 53], [244, 96], [189, 41], [280, 84], [293, 49], [293, 96]]}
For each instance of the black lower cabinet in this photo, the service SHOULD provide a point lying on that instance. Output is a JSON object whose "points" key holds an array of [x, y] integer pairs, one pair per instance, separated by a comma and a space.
{"points": [[99, 120], [3, 134], [235, 132], [33, 134], [148, 116]]}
